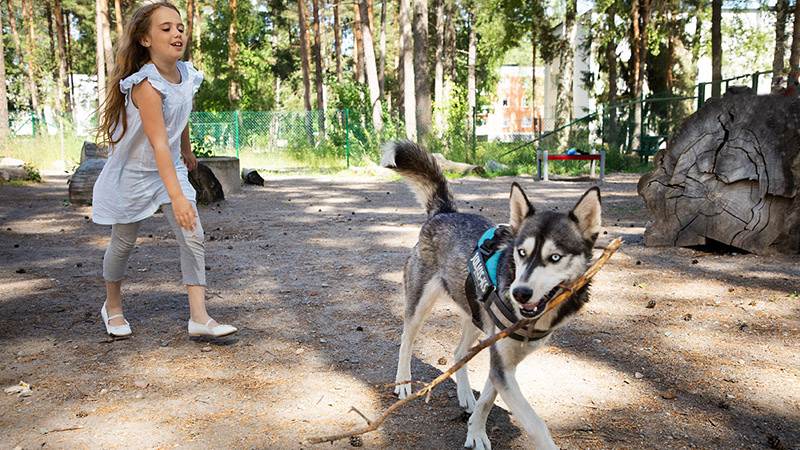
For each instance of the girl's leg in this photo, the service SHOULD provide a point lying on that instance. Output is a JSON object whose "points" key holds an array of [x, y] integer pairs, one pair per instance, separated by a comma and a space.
{"points": [[193, 265], [115, 261]]}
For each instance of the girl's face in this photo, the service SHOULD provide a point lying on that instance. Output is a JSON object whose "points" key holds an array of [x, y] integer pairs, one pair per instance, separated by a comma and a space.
{"points": [[165, 39]]}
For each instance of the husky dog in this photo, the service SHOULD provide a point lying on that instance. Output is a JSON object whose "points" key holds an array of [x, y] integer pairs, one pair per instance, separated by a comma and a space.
{"points": [[543, 250]]}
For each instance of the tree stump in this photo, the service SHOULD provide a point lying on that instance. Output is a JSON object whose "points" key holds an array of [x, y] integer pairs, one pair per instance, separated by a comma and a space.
{"points": [[730, 174], [207, 186], [81, 183]]}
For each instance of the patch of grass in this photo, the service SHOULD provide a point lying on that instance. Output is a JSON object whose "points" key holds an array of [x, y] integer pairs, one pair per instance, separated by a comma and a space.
{"points": [[43, 152]]}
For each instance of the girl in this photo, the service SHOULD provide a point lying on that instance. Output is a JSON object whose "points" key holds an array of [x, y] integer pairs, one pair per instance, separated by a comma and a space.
{"points": [[145, 122]]}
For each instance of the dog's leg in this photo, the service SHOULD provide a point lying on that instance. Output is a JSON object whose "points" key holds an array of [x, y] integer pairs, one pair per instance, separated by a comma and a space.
{"points": [[503, 375], [477, 438], [469, 334], [416, 312]]}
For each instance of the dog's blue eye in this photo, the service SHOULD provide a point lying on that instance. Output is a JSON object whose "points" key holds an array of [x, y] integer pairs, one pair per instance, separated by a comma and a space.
{"points": [[555, 257], [522, 253]]}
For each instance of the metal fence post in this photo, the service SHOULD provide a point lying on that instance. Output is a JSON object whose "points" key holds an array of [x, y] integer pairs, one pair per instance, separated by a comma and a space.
{"points": [[347, 136], [754, 83], [236, 131], [545, 175]]}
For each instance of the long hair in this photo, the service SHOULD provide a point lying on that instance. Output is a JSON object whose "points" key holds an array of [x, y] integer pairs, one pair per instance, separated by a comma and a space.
{"points": [[129, 59]]}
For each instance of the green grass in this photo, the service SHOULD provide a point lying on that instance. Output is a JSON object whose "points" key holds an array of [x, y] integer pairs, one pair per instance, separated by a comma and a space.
{"points": [[44, 152]]}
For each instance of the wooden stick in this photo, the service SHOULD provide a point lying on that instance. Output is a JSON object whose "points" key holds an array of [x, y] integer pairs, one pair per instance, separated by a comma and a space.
{"points": [[563, 296]]}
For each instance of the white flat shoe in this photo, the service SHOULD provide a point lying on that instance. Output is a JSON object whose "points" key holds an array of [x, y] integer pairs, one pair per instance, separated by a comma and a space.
{"points": [[219, 330], [114, 330]]}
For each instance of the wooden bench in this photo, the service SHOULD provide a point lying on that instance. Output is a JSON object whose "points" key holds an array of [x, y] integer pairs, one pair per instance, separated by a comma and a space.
{"points": [[543, 159]]}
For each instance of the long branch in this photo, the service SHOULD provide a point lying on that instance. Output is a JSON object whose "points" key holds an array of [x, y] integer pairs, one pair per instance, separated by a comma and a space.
{"points": [[563, 296]]}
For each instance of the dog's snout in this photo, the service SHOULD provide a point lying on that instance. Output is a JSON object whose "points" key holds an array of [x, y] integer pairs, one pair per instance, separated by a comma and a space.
{"points": [[522, 293]]}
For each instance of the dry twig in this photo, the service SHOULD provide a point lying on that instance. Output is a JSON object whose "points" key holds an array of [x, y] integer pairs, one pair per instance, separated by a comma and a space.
{"points": [[563, 296]]}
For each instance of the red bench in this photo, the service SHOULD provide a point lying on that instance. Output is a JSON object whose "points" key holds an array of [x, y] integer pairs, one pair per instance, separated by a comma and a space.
{"points": [[542, 159]]}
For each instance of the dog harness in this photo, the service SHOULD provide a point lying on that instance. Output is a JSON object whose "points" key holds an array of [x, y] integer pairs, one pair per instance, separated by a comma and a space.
{"points": [[481, 286]]}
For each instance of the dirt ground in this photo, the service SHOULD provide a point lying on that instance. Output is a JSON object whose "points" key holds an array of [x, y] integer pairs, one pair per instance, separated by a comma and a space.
{"points": [[310, 268]]}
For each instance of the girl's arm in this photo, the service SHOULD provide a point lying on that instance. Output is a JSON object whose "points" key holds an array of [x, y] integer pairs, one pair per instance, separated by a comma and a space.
{"points": [[186, 150], [148, 100]]}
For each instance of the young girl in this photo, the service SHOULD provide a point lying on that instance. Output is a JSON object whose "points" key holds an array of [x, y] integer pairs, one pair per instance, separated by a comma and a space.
{"points": [[145, 122]]}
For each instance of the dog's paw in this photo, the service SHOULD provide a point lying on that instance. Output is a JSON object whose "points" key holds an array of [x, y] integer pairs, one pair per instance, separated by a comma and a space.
{"points": [[466, 399], [477, 440], [402, 390]]}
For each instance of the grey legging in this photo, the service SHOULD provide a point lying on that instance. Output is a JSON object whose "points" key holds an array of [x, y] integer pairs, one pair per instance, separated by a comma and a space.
{"points": [[192, 249]]}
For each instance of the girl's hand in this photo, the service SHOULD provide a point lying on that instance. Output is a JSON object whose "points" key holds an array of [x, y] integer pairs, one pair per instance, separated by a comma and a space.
{"points": [[190, 160], [184, 213]]}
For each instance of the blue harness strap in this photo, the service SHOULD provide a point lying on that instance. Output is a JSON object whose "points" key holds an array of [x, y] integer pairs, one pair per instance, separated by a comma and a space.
{"points": [[491, 262]]}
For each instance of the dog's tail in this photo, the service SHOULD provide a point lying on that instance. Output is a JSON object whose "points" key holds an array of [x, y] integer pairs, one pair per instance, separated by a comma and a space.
{"points": [[423, 173]]}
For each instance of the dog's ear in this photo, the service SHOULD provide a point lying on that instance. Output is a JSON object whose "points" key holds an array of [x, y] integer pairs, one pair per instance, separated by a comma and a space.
{"points": [[519, 205], [586, 214]]}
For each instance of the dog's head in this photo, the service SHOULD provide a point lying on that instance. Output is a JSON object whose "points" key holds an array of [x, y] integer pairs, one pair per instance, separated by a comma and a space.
{"points": [[548, 248]]}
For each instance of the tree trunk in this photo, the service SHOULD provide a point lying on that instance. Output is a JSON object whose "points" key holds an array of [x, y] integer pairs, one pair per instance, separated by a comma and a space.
{"points": [[371, 69], [27, 11], [337, 40], [728, 176], [438, 78], [359, 50], [48, 11], [71, 91], [382, 65], [12, 22], [565, 89], [187, 55], [118, 16], [794, 56], [305, 66], [318, 75], [234, 90], [3, 93], [450, 42], [611, 64], [421, 79], [781, 11], [108, 50], [716, 48], [100, 57], [63, 81], [407, 57], [472, 95]]}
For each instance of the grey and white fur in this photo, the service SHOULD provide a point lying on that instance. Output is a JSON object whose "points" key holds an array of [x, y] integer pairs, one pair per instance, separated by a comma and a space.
{"points": [[544, 249]]}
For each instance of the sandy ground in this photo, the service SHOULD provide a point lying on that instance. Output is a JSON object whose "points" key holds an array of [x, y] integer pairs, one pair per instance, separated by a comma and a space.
{"points": [[310, 267]]}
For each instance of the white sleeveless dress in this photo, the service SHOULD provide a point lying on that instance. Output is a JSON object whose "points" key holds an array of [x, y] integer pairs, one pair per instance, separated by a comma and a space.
{"points": [[129, 188]]}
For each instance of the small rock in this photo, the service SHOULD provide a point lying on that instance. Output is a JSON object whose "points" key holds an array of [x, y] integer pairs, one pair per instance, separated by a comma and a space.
{"points": [[651, 304], [103, 391], [442, 361], [356, 441], [205, 349], [139, 395], [730, 396], [81, 414], [638, 375], [744, 328], [230, 247], [668, 395], [687, 317], [323, 341], [299, 351], [694, 261]]}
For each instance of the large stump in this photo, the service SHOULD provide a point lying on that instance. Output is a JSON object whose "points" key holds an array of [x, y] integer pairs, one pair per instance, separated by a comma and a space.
{"points": [[81, 183], [730, 174]]}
